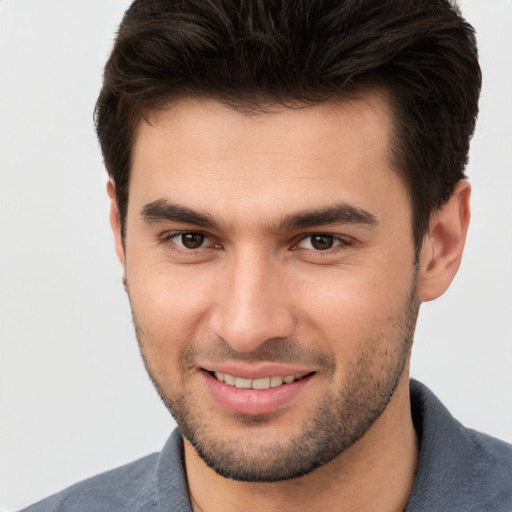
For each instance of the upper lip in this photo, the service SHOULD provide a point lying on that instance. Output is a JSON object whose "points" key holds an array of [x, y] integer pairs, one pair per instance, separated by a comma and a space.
{"points": [[257, 371]]}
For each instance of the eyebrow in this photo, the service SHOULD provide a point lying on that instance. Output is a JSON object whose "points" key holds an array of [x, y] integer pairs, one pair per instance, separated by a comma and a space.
{"points": [[162, 210], [341, 213]]}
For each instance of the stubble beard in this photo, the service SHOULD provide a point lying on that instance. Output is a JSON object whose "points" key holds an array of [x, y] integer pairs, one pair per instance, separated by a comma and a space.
{"points": [[341, 418]]}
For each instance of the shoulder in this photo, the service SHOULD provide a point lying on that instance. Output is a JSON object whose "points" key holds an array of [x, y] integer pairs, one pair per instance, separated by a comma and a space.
{"points": [[127, 488], [136, 487], [490, 472], [458, 468]]}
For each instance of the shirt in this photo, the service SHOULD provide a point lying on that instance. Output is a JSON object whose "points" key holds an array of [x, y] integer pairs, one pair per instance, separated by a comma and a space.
{"points": [[458, 470]]}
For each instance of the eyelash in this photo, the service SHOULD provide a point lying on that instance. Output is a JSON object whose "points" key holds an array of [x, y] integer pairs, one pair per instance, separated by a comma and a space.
{"points": [[339, 243], [169, 239]]}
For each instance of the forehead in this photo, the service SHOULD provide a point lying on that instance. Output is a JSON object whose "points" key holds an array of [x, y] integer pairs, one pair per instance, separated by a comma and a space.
{"points": [[204, 154], [207, 124]]}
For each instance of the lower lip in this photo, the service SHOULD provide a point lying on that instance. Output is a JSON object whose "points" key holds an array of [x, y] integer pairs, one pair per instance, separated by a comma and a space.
{"points": [[254, 402]]}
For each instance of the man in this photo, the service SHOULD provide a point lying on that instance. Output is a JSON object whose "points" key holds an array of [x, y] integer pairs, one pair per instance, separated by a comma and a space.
{"points": [[287, 187]]}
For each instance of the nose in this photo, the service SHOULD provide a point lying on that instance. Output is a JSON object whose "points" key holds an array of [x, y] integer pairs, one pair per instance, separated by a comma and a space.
{"points": [[252, 306]]}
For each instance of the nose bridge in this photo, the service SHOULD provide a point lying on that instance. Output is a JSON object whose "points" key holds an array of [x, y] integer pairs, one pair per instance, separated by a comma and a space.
{"points": [[252, 306]]}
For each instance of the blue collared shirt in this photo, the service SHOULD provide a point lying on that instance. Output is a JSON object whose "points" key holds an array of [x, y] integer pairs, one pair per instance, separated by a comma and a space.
{"points": [[459, 470]]}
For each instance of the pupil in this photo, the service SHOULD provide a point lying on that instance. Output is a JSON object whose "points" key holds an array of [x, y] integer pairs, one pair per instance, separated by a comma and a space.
{"points": [[322, 242], [192, 240]]}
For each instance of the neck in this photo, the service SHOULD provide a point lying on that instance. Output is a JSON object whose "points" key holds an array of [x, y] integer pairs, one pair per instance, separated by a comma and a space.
{"points": [[375, 473]]}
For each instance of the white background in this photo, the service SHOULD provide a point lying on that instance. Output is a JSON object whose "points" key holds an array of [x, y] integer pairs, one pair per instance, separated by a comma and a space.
{"points": [[75, 399]]}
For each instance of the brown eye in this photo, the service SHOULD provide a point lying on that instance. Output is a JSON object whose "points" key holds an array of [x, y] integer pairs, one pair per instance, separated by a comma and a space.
{"points": [[192, 240], [321, 242]]}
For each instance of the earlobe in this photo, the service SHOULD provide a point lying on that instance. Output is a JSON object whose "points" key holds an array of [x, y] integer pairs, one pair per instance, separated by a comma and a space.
{"points": [[442, 248], [115, 224]]}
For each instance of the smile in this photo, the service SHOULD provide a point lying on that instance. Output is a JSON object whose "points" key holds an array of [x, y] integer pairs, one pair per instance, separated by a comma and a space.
{"points": [[256, 391], [259, 384]]}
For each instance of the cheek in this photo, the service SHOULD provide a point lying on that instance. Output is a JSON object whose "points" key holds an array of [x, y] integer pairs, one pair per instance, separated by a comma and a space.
{"points": [[169, 305], [168, 310], [352, 308]]}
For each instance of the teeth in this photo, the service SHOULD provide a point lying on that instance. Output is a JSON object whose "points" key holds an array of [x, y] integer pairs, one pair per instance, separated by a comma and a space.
{"points": [[264, 383], [229, 379], [275, 381], [243, 383], [261, 383]]}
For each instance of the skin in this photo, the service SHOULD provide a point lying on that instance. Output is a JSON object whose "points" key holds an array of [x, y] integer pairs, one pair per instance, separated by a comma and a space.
{"points": [[256, 292]]}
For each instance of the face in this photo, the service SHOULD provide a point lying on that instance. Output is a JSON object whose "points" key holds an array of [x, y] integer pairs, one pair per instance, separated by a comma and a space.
{"points": [[270, 268]]}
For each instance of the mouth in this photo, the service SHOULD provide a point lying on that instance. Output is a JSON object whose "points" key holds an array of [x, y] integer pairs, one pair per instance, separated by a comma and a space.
{"points": [[269, 390], [259, 384]]}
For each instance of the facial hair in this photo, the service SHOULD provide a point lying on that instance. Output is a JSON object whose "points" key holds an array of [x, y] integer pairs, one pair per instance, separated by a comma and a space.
{"points": [[341, 418]]}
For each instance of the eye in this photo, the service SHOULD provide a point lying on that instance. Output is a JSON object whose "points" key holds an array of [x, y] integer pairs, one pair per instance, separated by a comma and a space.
{"points": [[189, 240], [319, 242]]}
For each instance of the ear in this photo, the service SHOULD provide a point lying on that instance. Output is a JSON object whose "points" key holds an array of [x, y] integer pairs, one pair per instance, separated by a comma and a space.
{"points": [[115, 224], [442, 248]]}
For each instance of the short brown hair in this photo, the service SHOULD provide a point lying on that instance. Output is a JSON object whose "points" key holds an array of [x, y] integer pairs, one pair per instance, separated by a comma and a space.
{"points": [[248, 53]]}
